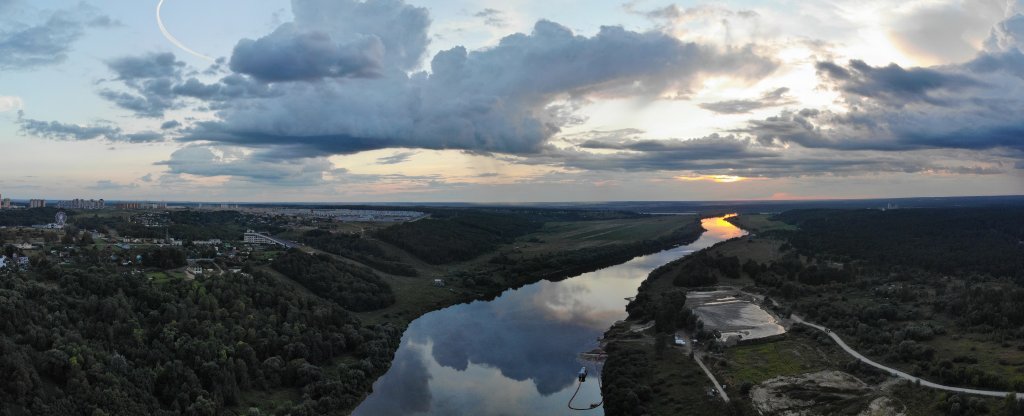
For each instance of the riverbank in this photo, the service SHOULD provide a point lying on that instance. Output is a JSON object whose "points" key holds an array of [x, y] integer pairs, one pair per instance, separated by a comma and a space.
{"points": [[875, 289], [557, 251]]}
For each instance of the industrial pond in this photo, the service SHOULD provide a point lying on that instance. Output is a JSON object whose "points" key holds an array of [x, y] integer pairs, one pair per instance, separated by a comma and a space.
{"points": [[519, 353]]}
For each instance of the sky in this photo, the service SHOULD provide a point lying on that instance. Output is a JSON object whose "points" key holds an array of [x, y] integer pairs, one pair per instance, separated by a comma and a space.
{"points": [[510, 101]]}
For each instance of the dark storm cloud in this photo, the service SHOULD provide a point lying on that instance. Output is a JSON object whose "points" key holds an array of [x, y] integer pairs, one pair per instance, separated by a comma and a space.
{"points": [[753, 163], [492, 100], [889, 130], [895, 84], [706, 148], [228, 88], [73, 132], [290, 54], [772, 98], [24, 46]]}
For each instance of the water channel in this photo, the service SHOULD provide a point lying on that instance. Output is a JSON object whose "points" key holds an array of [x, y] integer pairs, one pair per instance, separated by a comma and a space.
{"points": [[519, 353]]}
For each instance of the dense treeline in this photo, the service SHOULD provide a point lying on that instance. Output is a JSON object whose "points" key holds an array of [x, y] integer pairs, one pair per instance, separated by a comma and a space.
{"points": [[182, 225], [892, 282], [357, 248], [983, 240], [458, 235], [96, 342], [354, 288], [92, 221], [27, 217], [165, 257], [628, 373], [698, 269]]}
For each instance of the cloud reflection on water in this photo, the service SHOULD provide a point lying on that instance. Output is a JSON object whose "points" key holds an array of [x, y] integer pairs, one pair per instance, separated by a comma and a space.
{"points": [[517, 354]]}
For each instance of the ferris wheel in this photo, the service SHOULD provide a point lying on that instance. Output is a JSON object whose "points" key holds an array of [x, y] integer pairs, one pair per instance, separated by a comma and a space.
{"points": [[61, 218]]}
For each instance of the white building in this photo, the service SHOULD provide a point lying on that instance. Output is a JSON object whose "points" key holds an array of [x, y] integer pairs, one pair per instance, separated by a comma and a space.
{"points": [[252, 237]]}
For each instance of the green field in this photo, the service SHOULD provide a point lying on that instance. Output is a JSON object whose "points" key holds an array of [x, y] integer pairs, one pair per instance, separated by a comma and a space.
{"points": [[759, 223], [795, 354], [416, 295], [583, 234]]}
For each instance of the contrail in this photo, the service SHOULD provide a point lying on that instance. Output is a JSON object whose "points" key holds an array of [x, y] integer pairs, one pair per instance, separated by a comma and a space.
{"points": [[170, 37]]}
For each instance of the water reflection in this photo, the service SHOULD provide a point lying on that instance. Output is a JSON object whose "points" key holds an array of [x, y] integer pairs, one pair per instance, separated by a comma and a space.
{"points": [[516, 354]]}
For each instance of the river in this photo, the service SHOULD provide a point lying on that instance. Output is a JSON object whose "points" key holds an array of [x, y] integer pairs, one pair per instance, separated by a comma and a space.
{"points": [[516, 354]]}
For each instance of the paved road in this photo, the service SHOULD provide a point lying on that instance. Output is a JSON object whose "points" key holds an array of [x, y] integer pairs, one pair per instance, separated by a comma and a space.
{"points": [[696, 357], [895, 372]]}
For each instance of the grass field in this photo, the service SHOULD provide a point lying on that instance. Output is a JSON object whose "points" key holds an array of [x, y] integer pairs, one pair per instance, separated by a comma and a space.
{"points": [[416, 295], [583, 234], [1006, 361], [758, 223], [758, 249], [165, 276], [796, 354]]}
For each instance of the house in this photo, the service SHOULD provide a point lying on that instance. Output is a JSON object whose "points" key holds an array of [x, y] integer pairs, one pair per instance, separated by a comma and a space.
{"points": [[3, 262], [438, 282], [680, 340]]}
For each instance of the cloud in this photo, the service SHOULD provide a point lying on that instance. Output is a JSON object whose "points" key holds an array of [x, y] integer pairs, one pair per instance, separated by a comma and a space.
{"points": [[945, 32], [492, 17], [8, 103], [490, 100], [221, 161], [147, 178], [395, 158], [400, 28], [74, 132], [677, 14], [772, 98], [26, 46], [150, 80], [1008, 34], [150, 66], [170, 124], [290, 54], [896, 85], [107, 185]]}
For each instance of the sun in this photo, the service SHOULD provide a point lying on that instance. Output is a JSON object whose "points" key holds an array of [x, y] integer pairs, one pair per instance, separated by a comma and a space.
{"points": [[713, 178]]}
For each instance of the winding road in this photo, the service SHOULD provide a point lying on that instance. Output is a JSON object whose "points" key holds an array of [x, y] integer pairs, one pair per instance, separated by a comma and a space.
{"points": [[721, 391], [895, 372]]}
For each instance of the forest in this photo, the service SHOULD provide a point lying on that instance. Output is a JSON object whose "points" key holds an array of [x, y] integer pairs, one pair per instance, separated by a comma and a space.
{"points": [[353, 287], [355, 247], [182, 225], [945, 240], [96, 342], [936, 292], [894, 283], [27, 217]]}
